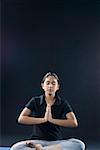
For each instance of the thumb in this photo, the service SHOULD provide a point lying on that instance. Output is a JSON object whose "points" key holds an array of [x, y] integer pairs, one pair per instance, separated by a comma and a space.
{"points": [[49, 109], [48, 105]]}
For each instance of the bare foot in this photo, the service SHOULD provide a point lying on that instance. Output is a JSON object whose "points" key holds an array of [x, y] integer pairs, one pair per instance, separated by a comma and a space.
{"points": [[38, 147], [33, 145]]}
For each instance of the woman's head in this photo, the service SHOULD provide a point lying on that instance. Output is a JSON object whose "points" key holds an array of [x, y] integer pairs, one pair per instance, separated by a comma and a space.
{"points": [[50, 74], [50, 83]]}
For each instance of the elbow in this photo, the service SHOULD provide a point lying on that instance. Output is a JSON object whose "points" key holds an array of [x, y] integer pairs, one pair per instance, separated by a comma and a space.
{"points": [[75, 124], [19, 119]]}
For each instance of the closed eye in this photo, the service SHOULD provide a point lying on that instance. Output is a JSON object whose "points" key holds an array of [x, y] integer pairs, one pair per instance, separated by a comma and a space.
{"points": [[53, 83], [47, 83]]}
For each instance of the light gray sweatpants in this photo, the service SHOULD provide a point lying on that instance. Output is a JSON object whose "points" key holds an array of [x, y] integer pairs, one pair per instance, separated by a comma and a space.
{"points": [[69, 144]]}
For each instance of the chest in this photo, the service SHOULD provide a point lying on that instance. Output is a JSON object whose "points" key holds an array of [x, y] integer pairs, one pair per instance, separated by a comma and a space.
{"points": [[56, 110]]}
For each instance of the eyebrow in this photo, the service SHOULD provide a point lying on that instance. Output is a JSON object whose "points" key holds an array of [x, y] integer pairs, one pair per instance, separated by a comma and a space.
{"points": [[52, 81]]}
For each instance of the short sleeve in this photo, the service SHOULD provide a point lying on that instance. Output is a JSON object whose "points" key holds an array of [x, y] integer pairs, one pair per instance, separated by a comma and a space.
{"points": [[30, 104], [67, 107]]}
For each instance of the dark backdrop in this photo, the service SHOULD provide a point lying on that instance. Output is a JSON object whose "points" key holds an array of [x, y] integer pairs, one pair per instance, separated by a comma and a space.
{"points": [[38, 36]]}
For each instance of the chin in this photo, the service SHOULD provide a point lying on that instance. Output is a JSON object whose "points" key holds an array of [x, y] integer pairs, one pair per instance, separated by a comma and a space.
{"points": [[50, 93]]}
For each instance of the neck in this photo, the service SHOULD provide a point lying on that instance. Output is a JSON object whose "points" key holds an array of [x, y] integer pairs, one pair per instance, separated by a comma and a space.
{"points": [[50, 99]]}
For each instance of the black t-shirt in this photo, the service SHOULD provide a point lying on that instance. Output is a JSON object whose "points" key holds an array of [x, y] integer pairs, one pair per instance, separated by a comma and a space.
{"points": [[48, 131]]}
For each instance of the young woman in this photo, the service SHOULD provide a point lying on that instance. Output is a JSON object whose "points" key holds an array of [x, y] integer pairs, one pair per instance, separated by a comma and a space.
{"points": [[47, 113]]}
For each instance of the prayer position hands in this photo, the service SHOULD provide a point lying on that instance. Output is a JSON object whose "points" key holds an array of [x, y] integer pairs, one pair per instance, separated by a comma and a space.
{"points": [[48, 114]]}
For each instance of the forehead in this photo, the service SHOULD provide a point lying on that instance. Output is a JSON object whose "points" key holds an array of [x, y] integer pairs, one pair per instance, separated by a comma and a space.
{"points": [[51, 78]]}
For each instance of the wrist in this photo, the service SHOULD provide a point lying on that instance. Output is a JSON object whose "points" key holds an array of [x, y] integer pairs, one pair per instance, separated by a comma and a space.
{"points": [[51, 120], [44, 120]]}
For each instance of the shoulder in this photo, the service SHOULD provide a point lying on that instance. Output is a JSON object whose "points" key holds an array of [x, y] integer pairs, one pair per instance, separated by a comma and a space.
{"points": [[65, 104], [63, 100], [35, 99], [34, 102]]}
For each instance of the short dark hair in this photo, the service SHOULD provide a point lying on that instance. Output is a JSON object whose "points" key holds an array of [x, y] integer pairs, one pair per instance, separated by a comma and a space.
{"points": [[50, 74]]}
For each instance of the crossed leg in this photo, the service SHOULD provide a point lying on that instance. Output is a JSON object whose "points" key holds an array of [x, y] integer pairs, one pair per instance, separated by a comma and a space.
{"points": [[72, 144]]}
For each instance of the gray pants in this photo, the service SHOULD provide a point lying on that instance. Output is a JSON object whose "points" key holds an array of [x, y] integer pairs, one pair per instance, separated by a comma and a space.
{"points": [[70, 144]]}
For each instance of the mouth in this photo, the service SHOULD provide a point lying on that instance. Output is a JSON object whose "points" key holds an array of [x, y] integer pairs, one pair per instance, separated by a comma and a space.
{"points": [[50, 90]]}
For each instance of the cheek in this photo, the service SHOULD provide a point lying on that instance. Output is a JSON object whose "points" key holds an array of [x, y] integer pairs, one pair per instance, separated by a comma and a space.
{"points": [[44, 87], [57, 88]]}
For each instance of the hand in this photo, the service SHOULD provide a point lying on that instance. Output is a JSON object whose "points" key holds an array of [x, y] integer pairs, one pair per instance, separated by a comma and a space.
{"points": [[30, 144], [48, 114]]}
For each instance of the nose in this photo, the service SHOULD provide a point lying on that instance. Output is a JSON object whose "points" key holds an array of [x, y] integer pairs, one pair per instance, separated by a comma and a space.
{"points": [[50, 85]]}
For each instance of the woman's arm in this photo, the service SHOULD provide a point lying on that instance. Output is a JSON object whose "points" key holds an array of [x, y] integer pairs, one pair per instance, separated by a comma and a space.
{"points": [[25, 118], [70, 120]]}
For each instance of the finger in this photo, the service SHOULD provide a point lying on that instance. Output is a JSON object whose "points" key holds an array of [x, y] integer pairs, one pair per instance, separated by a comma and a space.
{"points": [[46, 109], [49, 110]]}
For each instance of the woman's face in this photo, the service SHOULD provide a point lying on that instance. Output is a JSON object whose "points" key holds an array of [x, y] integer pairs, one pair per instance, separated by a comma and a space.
{"points": [[50, 85]]}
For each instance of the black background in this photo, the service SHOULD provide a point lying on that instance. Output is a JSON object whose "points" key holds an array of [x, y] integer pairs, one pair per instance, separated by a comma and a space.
{"points": [[61, 36]]}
